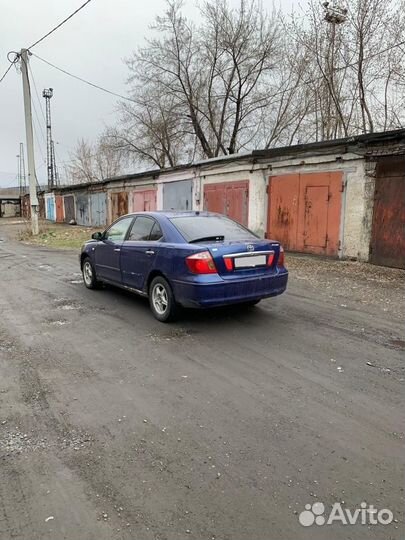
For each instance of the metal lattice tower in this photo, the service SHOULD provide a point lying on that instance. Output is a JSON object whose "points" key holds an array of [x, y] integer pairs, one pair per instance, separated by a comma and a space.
{"points": [[50, 150]]}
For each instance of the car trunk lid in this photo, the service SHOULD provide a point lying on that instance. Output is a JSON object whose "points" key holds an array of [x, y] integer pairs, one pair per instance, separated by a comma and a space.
{"points": [[249, 258]]}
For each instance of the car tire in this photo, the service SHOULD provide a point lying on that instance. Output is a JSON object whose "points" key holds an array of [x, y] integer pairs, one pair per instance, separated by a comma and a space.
{"points": [[89, 274], [161, 300]]}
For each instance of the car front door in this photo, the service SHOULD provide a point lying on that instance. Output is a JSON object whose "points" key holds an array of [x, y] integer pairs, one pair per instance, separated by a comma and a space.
{"points": [[108, 250], [139, 251]]}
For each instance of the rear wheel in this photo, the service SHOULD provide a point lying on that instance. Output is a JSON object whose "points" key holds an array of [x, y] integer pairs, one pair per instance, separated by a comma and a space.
{"points": [[161, 300], [89, 274]]}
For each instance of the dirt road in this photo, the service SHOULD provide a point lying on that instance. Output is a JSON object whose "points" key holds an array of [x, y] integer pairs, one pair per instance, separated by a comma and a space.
{"points": [[223, 425]]}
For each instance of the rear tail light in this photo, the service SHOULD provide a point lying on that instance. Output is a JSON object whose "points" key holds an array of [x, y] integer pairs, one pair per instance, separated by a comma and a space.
{"points": [[281, 257], [270, 258], [201, 263], [228, 263]]}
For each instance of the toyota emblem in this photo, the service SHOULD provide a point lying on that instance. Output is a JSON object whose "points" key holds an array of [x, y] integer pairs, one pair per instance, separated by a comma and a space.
{"points": [[250, 247]]}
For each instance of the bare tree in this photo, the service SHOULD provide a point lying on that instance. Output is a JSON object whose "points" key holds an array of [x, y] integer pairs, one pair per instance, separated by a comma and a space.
{"points": [[352, 76], [243, 78], [93, 163], [214, 73], [151, 129]]}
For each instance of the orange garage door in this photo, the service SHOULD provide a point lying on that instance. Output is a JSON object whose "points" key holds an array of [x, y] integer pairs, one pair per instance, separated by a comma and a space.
{"points": [[228, 198], [304, 211]]}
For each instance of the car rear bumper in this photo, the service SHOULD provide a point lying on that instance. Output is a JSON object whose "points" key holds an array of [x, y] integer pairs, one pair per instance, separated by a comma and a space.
{"points": [[221, 293]]}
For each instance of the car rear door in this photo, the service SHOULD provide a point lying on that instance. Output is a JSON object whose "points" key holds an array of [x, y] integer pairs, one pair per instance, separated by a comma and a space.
{"points": [[139, 251], [108, 250]]}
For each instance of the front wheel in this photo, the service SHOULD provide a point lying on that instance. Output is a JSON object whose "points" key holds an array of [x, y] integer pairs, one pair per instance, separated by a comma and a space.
{"points": [[161, 300], [89, 274]]}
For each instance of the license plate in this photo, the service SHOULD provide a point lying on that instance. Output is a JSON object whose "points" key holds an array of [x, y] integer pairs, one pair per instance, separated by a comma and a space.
{"points": [[250, 262]]}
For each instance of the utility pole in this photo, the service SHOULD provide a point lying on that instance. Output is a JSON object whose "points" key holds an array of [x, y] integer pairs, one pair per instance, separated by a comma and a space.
{"points": [[19, 174], [50, 148], [32, 178], [21, 171], [22, 168]]}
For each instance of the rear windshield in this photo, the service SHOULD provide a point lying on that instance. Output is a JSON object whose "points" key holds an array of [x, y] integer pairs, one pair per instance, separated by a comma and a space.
{"points": [[195, 227]]}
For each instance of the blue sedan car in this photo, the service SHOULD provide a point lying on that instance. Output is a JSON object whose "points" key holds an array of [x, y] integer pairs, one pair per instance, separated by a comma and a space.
{"points": [[189, 259]]}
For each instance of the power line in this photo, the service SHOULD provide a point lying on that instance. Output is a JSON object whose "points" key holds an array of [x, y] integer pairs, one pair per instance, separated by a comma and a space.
{"points": [[83, 80], [12, 62], [59, 25], [36, 92], [36, 115], [42, 109], [5, 73]]}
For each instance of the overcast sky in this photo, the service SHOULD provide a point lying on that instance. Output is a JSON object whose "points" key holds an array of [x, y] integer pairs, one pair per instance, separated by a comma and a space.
{"points": [[91, 45]]}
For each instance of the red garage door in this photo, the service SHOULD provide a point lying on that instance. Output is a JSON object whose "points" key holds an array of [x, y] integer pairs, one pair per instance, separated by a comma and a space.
{"points": [[304, 211], [228, 198], [388, 232], [144, 201]]}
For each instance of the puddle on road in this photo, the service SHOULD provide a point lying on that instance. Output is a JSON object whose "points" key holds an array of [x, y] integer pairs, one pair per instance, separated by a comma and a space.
{"points": [[174, 335], [59, 322], [66, 304], [74, 278], [398, 343]]}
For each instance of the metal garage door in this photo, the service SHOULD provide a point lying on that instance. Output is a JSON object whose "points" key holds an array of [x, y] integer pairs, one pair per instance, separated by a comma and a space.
{"points": [[98, 209], [143, 200], [69, 204], [304, 211], [83, 210], [228, 198], [50, 208], [178, 195], [119, 204], [388, 230], [316, 216], [59, 208]]}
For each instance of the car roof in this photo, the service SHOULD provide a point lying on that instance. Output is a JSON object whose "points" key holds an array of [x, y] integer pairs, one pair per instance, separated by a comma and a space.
{"points": [[172, 213]]}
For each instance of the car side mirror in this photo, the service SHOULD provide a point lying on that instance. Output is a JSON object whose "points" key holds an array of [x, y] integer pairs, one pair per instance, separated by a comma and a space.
{"points": [[97, 235]]}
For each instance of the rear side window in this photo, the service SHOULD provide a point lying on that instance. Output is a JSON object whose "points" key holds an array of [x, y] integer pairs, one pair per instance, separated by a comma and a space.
{"points": [[156, 233], [195, 227], [141, 228]]}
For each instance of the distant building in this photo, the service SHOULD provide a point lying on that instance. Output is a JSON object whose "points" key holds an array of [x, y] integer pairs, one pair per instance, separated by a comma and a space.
{"points": [[10, 204]]}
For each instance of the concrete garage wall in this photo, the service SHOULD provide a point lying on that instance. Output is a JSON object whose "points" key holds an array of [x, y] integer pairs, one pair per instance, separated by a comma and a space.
{"points": [[359, 194]]}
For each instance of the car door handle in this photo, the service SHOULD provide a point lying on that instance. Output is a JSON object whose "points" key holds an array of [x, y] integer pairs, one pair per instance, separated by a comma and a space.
{"points": [[117, 249], [149, 252]]}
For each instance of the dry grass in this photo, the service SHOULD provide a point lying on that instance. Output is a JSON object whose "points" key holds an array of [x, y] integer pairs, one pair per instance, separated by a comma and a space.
{"points": [[58, 236]]}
